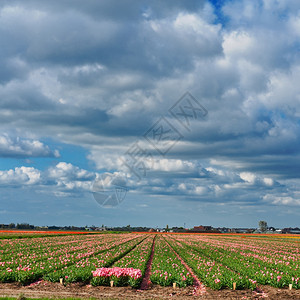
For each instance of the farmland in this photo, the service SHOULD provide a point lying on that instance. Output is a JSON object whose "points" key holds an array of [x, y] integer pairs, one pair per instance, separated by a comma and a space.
{"points": [[199, 262]]}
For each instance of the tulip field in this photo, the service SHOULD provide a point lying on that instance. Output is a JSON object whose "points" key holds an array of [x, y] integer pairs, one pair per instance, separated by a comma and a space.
{"points": [[217, 261]]}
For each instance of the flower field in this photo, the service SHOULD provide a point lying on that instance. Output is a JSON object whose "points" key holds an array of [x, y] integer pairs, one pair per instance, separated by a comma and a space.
{"points": [[167, 268], [218, 261], [18, 234]]}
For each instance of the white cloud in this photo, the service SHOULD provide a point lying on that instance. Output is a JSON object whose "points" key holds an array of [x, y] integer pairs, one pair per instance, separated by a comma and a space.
{"points": [[20, 176], [268, 181], [283, 91], [174, 165], [66, 172], [238, 44], [294, 25], [248, 177], [68, 179], [189, 32], [62, 178], [19, 147], [285, 200]]}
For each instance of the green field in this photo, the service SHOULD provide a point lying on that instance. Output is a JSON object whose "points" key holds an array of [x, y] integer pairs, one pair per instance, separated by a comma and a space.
{"points": [[216, 261]]}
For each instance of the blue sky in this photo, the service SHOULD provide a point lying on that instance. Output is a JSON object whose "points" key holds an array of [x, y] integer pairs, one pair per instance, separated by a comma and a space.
{"points": [[85, 83]]}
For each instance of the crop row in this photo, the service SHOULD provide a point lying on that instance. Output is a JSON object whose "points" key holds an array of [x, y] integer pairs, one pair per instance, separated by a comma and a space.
{"points": [[210, 273], [166, 267], [81, 270], [46, 254], [30, 267], [246, 270], [135, 259], [218, 261]]}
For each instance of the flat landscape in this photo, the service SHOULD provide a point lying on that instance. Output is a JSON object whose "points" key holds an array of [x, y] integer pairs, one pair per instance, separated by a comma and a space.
{"points": [[132, 265], [149, 149]]}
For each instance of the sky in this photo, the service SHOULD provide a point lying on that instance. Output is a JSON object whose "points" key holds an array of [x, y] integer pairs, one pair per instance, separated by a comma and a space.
{"points": [[148, 113]]}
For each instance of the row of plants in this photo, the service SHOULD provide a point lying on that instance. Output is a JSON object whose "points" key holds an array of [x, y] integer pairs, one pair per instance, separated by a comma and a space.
{"points": [[218, 261], [45, 254], [250, 265], [282, 249], [210, 273], [116, 275], [6, 244], [136, 259], [40, 248], [167, 268], [123, 272], [30, 267], [266, 249], [4, 235], [81, 270]]}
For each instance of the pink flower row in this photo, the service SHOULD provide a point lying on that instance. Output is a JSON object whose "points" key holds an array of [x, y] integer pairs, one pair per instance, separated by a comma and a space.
{"points": [[118, 272]]}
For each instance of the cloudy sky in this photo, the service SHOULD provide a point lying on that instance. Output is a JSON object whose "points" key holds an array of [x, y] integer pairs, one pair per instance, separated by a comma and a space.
{"points": [[94, 109]]}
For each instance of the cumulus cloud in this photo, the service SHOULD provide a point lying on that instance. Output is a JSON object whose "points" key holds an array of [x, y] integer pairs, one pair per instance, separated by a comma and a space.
{"points": [[70, 178], [282, 200], [20, 176], [64, 178], [19, 147], [67, 171]]}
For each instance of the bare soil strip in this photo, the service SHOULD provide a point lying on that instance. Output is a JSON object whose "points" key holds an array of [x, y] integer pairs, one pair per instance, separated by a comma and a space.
{"points": [[82, 291], [146, 280], [200, 288]]}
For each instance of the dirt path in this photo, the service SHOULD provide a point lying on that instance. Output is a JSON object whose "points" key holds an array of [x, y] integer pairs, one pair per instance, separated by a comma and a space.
{"points": [[56, 291], [146, 280]]}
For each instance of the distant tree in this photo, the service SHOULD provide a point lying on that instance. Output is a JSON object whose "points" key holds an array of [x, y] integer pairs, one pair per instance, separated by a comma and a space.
{"points": [[263, 226], [167, 227], [24, 226]]}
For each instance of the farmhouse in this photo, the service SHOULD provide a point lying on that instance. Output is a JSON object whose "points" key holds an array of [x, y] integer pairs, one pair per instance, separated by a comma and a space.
{"points": [[202, 228]]}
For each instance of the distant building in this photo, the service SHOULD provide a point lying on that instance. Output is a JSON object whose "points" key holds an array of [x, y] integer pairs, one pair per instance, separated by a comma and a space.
{"points": [[202, 228], [102, 228], [89, 229], [223, 229], [41, 227], [179, 229], [290, 230]]}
